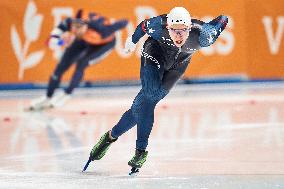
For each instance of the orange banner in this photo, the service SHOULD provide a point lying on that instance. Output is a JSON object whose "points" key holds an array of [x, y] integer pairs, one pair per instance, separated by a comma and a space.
{"points": [[251, 46]]}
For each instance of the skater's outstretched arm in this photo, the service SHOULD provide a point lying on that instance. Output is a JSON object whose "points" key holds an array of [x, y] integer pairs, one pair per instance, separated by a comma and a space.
{"points": [[63, 26], [108, 29], [211, 31]]}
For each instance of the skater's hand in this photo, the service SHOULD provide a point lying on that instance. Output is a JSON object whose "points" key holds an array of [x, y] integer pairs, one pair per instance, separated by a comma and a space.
{"points": [[55, 42], [129, 45], [64, 41], [68, 38]]}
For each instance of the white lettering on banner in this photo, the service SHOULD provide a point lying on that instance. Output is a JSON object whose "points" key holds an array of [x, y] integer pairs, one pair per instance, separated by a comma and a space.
{"points": [[32, 23], [224, 44], [274, 40], [59, 12]]}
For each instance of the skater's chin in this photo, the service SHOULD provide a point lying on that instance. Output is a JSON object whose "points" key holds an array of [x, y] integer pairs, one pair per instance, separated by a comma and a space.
{"points": [[179, 43]]}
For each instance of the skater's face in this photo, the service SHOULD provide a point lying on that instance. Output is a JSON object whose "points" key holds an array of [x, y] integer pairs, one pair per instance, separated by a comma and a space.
{"points": [[179, 33], [79, 29]]}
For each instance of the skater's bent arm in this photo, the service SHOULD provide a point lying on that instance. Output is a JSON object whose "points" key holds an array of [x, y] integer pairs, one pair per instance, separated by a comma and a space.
{"points": [[139, 32], [64, 26], [152, 27]]}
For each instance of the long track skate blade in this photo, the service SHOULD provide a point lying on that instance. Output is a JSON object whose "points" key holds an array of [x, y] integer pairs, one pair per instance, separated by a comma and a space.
{"points": [[29, 109], [39, 109], [87, 164], [134, 171]]}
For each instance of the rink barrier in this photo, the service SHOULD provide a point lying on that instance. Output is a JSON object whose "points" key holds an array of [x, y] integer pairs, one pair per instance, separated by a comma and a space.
{"points": [[105, 84], [252, 43]]}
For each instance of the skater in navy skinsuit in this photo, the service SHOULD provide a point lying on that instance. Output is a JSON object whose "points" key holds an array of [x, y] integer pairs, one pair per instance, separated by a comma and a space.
{"points": [[93, 39], [173, 39]]}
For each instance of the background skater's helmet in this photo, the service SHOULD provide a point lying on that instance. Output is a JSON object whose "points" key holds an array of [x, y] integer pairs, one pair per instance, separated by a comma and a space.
{"points": [[179, 15]]}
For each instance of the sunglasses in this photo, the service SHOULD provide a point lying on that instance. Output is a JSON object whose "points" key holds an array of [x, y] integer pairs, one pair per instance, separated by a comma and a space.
{"points": [[180, 31], [78, 23]]}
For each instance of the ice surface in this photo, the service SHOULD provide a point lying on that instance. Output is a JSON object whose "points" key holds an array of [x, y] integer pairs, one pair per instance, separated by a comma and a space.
{"points": [[215, 136]]}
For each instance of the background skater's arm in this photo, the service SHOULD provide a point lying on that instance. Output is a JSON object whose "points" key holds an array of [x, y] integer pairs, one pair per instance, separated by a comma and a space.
{"points": [[107, 29], [55, 38], [118, 25]]}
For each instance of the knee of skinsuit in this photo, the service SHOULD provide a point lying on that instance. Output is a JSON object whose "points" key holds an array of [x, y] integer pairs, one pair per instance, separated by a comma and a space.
{"points": [[82, 65], [148, 98], [55, 77], [155, 95]]}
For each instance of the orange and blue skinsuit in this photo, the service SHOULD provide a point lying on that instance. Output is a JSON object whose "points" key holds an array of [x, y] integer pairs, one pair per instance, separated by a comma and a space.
{"points": [[92, 46]]}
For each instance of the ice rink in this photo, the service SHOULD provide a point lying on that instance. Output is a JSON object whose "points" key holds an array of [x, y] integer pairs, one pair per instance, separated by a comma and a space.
{"points": [[221, 136]]}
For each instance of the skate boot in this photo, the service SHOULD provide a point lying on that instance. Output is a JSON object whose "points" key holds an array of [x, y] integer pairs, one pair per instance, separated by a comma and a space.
{"points": [[100, 149], [137, 161], [59, 99], [40, 104]]}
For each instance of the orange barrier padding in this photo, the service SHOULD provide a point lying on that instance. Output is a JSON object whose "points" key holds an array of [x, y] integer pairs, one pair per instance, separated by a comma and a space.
{"points": [[252, 45]]}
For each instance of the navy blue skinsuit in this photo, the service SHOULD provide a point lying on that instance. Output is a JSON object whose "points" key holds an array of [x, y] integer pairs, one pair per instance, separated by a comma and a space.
{"points": [[82, 52], [162, 64]]}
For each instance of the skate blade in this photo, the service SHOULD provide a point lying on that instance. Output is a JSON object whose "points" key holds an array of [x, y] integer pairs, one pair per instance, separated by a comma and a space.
{"points": [[29, 109], [87, 164], [134, 172], [34, 109]]}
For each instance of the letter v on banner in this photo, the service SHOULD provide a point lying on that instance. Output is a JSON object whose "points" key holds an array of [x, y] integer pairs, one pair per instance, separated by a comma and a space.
{"points": [[274, 40]]}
